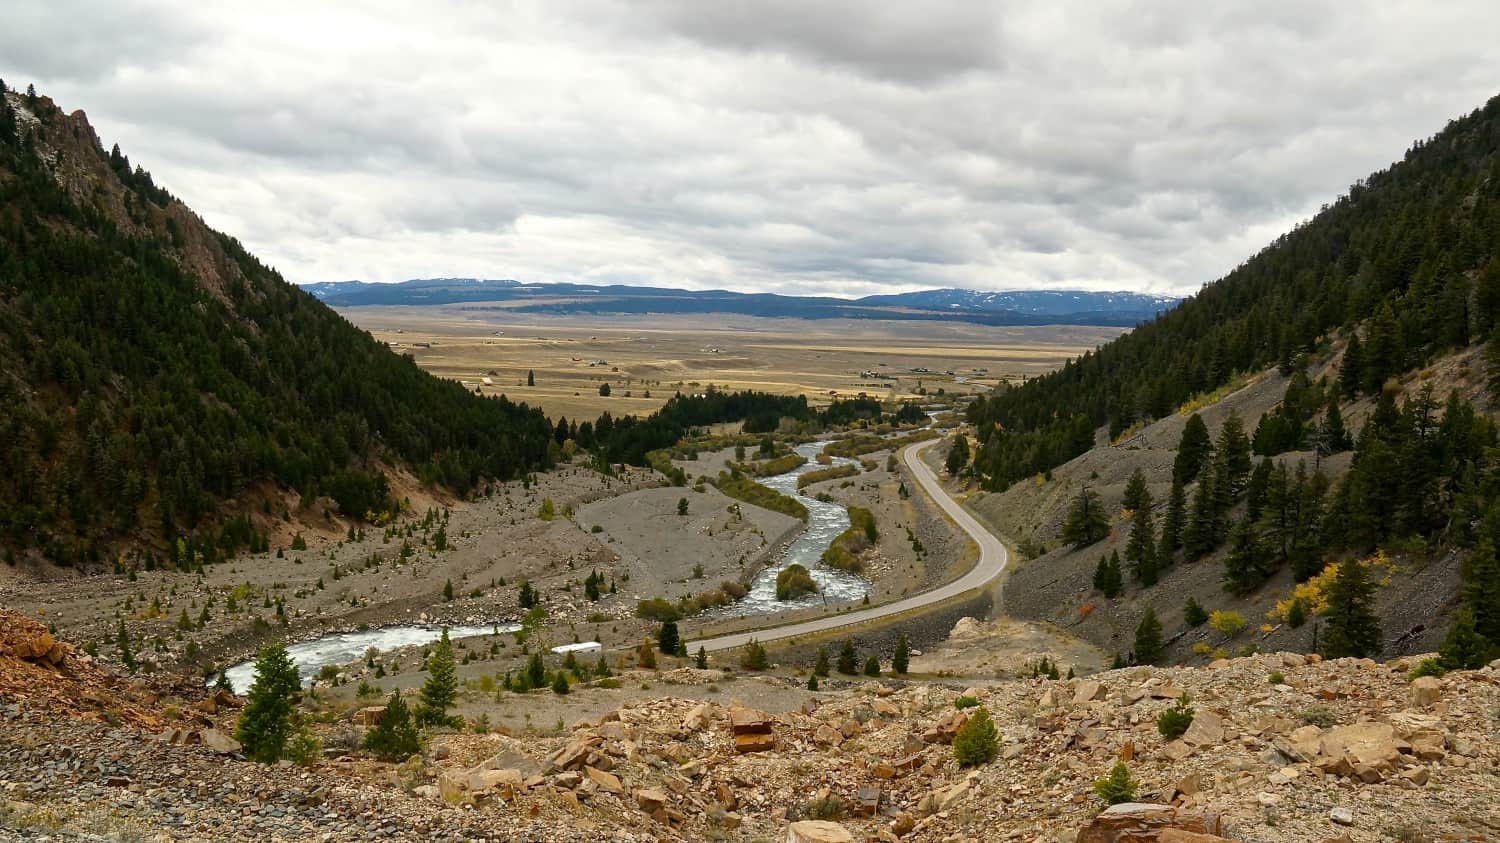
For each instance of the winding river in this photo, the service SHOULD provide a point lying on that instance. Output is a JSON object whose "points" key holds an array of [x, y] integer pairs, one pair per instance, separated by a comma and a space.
{"points": [[825, 521]]}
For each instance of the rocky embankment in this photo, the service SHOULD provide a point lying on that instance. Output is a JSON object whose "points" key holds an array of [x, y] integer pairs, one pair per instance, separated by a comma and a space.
{"points": [[1346, 750]]}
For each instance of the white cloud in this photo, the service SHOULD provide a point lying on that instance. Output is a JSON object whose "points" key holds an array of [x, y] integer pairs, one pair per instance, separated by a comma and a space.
{"points": [[837, 147]]}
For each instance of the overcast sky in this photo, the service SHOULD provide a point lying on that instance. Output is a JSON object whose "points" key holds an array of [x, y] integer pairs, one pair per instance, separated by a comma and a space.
{"points": [[792, 145]]}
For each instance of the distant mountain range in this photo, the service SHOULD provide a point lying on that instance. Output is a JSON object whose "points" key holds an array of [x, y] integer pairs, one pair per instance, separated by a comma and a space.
{"points": [[1022, 307]]}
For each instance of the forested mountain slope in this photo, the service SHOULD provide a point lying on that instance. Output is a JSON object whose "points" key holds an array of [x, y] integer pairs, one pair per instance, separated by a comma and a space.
{"points": [[151, 369], [1414, 245], [1308, 446]]}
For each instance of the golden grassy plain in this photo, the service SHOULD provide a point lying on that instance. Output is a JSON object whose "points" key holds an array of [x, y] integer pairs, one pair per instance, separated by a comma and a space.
{"points": [[645, 359]]}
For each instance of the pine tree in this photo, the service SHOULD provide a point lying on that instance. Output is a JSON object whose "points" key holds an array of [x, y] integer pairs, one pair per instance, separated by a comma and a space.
{"points": [[1140, 550], [1192, 450], [1333, 438], [1232, 456], [1255, 491], [1101, 575], [1114, 576], [440, 690], [848, 658], [1193, 614], [122, 643], [448, 591], [1351, 369], [958, 454], [560, 684], [821, 667], [872, 665], [1352, 628], [902, 656], [1205, 521], [1481, 576], [1246, 566], [1173, 523], [667, 638], [536, 672], [1296, 614], [530, 378], [1464, 648], [1086, 523], [812, 682], [395, 736], [1137, 495], [701, 660], [1148, 641], [977, 741], [265, 724]]}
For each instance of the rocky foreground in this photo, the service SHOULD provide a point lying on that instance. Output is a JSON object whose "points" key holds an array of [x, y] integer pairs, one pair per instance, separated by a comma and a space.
{"points": [[1348, 750]]}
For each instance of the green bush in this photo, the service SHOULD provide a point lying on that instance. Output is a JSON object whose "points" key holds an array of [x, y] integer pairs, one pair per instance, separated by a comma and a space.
{"points": [[977, 741], [1173, 722], [793, 582], [1117, 787], [965, 702], [754, 656], [395, 737], [1427, 667]]}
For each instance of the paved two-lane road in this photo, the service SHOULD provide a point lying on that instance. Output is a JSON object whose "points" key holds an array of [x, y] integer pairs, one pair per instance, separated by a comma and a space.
{"points": [[992, 561]]}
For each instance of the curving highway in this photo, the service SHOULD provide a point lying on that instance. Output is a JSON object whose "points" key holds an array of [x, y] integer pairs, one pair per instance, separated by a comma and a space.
{"points": [[992, 561]]}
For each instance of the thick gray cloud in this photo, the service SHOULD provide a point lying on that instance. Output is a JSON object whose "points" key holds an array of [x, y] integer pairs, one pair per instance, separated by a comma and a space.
{"points": [[841, 147]]}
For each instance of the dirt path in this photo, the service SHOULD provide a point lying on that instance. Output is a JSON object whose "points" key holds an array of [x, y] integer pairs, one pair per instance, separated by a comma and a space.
{"points": [[993, 557]]}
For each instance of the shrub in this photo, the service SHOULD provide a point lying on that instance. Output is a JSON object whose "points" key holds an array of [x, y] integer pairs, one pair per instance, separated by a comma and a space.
{"points": [[976, 742], [560, 683], [872, 666], [1427, 667], [1228, 624], [754, 656], [1277, 678], [1317, 715], [1117, 787], [965, 702], [305, 748], [829, 808], [793, 582], [656, 609], [1173, 722], [395, 737]]}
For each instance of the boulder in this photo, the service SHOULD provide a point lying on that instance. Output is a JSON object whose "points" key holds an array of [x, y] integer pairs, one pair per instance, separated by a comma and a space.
{"points": [[699, 718], [754, 743], [1088, 690], [1426, 690], [370, 715], [1177, 835], [1141, 821], [651, 800], [1207, 729], [748, 721], [606, 781], [1367, 743], [819, 831], [219, 742]]}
